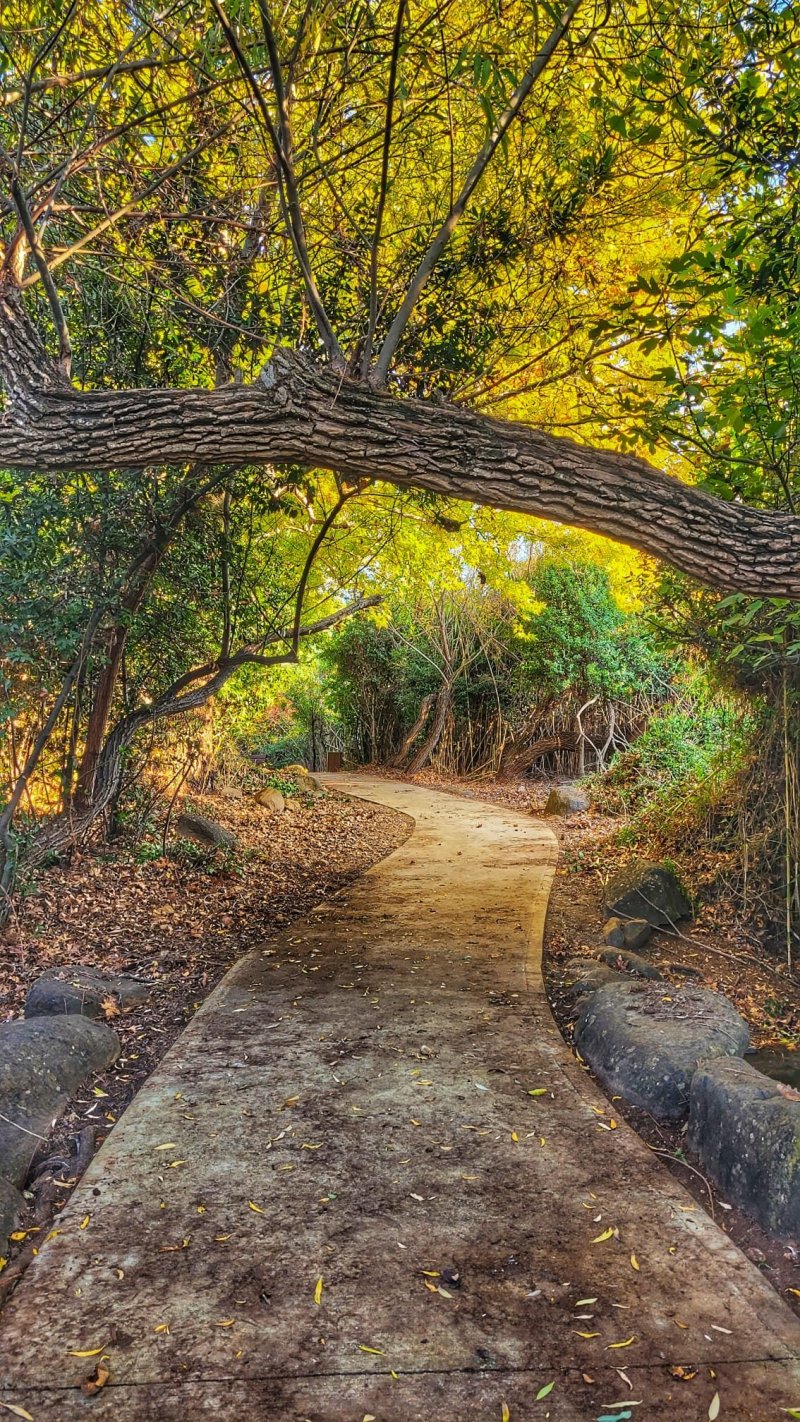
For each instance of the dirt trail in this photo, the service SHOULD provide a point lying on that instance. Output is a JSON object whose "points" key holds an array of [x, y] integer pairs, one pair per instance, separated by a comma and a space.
{"points": [[369, 1180]]}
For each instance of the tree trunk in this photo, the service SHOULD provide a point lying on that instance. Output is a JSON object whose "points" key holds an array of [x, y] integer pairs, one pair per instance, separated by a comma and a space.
{"points": [[99, 714], [444, 697], [424, 712], [299, 413]]}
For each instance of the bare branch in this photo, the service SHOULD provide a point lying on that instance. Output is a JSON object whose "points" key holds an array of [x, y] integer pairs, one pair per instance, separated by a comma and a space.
{"points": [[376, 239], [476, 172]]}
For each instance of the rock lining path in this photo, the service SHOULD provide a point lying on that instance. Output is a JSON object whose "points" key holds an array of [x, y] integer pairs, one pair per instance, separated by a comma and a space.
{"points": [[352, 1105]]}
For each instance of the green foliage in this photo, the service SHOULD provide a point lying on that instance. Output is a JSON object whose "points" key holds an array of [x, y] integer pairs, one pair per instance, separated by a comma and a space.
{"points": [[702, 737], [580, 641]]}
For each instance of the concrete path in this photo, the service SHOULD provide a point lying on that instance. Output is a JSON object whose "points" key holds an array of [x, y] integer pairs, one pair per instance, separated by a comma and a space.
{"points": [[370, 1181]]}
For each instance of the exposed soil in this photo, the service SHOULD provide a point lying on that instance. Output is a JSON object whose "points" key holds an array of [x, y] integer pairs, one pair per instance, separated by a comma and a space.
{"points": [[179, 923]]}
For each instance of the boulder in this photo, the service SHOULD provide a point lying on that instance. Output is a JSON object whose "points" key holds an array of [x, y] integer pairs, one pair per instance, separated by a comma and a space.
{"points": [[83, 990], [42, 1061], [585, 975], [565, 800], [205, 832], [271, 800], [647, 891], [644, 1043], [626, 961], [231, 792], [745, 1129]]}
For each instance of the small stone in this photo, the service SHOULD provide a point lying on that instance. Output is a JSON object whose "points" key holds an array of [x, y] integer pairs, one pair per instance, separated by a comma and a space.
{"points": [[231, 792], [586, 975], [614, 933], [630, 962], [205, 832], [637, 932], [83, 991], [271, 800], [566, 800]]}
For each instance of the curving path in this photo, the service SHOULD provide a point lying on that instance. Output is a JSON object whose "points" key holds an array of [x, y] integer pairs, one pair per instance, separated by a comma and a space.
{"points": [[359, 1104]]}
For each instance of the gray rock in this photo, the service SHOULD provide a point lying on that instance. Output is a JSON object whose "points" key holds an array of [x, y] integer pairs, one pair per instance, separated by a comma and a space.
{"points": [[565, 800], [647, 891], [625, 960], [205, 832], [232, 792], [644, 1044], [271, 800], [82, 990], [586, 975], [614, 932], [12, 1206], [637, 932], [42, 1061], [745, 1129]]}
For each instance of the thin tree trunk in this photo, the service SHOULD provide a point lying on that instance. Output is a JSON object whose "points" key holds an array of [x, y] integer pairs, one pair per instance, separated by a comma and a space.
{"points": [[444, 698], [408, 741]]}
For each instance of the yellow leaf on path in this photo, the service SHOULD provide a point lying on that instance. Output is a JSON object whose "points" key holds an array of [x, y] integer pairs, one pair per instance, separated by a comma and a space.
{"points": [[84, 1352], [601, 1238], [318, 1291], [362, 1347], [505, 1413], [585, 1335], [713, 1410], [168, 1145], [626, 1342], [514, 1136], [257, 1210], [173, 1163], [538, 1091], [226, 1323], [634, 1263], [17, 1411], [85, 1221], [97, 1092], [161, 1328], [3, 1262]]}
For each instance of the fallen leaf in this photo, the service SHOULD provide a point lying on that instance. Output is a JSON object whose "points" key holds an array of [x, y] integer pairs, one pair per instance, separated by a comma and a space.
{"points": [[362, 1348], [601, 1238], [538, 1091], [85, 1352], [226, 1323], [634, 1263], [585, 1335], [318, 1291], [505, 1413], [94, 1380], [257, 1210], [544, 1391], [713, 1408], [97, 1092], [626, 1342], [17, 1411], [168, 1145], [85, 1221]]}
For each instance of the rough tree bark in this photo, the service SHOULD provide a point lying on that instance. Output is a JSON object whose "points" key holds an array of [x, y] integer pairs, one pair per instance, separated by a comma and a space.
{"points": [[300, 413], [444, 700]]}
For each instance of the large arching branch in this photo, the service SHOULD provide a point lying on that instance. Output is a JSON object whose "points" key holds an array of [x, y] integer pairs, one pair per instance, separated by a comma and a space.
{"points": [[300, 413]]}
